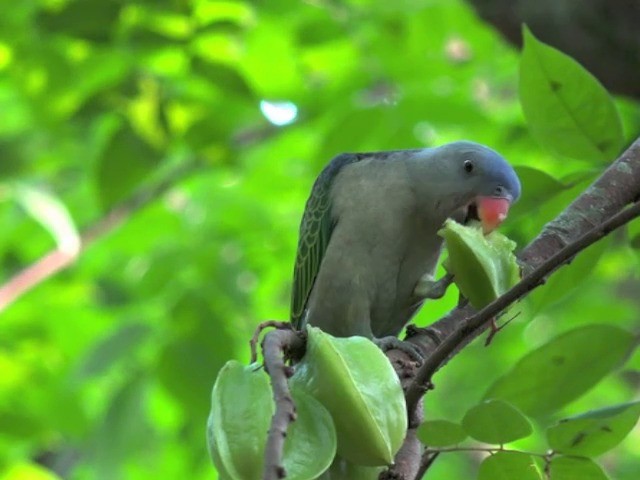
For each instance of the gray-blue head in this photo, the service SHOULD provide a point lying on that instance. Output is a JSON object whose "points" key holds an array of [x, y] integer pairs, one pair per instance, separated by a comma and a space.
{"points": [[474, 180]]}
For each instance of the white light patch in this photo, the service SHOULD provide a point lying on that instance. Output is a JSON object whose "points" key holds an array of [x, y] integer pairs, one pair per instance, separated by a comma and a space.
{"points": [[279, 113]]}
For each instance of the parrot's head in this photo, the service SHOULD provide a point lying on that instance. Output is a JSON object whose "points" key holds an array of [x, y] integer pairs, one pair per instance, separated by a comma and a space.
{"points": [[471, 182]]}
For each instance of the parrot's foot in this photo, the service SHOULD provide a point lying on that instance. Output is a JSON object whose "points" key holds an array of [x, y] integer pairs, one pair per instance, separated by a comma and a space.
{"points": [[394, 343], [427, 287]]}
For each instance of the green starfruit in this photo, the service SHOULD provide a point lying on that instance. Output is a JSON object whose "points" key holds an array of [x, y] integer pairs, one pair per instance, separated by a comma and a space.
{"points": [[484, 267], [241, 410], [355, 381]]}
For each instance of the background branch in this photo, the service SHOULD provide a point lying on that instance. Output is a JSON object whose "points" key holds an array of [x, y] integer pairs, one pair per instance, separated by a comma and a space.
{"points": [[57, 260]]}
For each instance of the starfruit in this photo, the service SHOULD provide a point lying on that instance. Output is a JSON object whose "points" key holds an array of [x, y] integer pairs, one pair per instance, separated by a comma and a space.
{"points": [[342, 469], [484, 267], [241, 410], [355, 381]]}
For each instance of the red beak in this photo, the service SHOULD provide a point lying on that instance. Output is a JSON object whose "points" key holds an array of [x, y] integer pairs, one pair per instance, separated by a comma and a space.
{"points": [[492, 212]]}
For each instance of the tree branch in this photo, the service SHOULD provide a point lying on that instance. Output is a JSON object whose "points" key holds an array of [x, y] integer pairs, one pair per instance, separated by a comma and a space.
{"points": [[57, 260], [274, 346]]}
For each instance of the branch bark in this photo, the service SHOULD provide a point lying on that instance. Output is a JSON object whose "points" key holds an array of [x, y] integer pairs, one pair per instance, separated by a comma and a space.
{"points": [[57, 260], [274, 346]]}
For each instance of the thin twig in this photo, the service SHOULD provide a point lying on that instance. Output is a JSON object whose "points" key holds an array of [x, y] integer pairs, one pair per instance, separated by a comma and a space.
{"points": [[57, 260], [485, 450], [253, 343], [528, 283], [274, 347], [428, 457]]}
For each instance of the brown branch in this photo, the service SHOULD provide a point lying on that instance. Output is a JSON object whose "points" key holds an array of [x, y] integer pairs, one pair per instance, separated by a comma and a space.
{"points": [[57, 260], [407, 460], [274, 347], [426, 461], [253, 343]]}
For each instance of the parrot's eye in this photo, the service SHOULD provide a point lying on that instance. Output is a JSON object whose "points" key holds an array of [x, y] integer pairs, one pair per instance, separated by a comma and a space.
{"points": [[468, 166]]}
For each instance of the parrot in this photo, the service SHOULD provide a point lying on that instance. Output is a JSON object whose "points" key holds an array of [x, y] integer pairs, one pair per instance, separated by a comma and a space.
{"points": [[369, 233]]}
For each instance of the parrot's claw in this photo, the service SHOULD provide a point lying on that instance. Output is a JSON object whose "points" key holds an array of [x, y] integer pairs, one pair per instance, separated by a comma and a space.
{"points": [[394, 343], [427, 287]]}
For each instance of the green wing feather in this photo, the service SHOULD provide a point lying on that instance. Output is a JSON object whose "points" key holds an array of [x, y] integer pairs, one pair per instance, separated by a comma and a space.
{"points": [[315, 232]]}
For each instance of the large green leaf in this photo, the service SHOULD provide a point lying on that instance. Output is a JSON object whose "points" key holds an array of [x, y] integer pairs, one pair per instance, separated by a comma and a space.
{"points": [[509, 466], [567, 109], [563, 369], [441, 433], [124, 163], [595, 432], [539, 187], [89, 20], [270, 63], [497, 422], [201, 338], [568, 279], [122, 343], [124, 428], [570, 468], [634, 234]]}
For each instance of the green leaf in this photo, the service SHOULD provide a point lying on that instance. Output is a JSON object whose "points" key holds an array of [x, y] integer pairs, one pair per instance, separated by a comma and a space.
{"points": [[540, 188], [509, 466], [497, 422], [200, 337], [88, 20], [633, 231], [123, 343], [568, 278], [571, 468], [22, 470], [125, 427], [124, 163], [441, 433], [563, 369], [17, 425], [51, 213], [567, 109], [595, 432], [270, 61]]}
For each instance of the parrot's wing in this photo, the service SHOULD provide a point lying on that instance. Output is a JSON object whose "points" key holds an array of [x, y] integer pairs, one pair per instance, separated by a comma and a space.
{"points": [[315, 232]]}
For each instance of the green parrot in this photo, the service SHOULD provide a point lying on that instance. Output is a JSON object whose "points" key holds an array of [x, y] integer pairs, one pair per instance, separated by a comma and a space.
{"points": [[368, 235]]}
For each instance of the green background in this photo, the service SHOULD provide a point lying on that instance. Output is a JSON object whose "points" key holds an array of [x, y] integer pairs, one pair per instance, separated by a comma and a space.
{"points": [[106, 368]]}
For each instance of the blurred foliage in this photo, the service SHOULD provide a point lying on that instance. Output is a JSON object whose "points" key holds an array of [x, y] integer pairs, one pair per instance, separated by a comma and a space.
{"points": [[106, 369]]}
